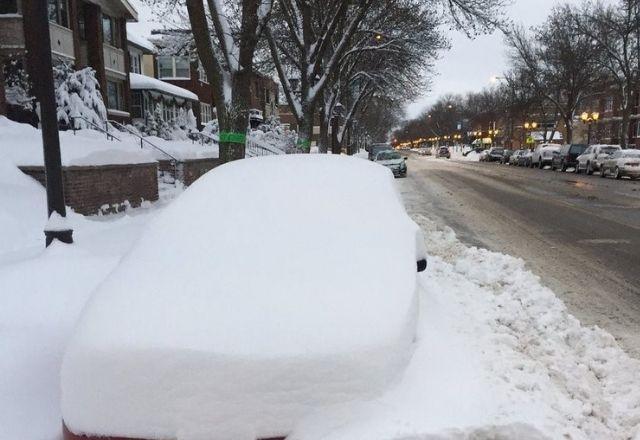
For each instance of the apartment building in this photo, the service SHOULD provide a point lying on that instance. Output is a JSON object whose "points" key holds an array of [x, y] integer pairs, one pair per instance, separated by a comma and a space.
{"points": [[83, 33]]}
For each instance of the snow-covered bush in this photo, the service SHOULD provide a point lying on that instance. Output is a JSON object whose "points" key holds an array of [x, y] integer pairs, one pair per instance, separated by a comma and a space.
{"points": [[17, 85], [273, 134], [78, 94]]}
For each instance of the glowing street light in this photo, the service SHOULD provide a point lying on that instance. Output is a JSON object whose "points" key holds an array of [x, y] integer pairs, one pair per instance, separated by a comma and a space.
{"points": [[589, 119]]}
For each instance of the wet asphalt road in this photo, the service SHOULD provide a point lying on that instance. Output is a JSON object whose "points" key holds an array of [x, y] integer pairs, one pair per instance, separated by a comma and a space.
{"points": [[580, 234]]}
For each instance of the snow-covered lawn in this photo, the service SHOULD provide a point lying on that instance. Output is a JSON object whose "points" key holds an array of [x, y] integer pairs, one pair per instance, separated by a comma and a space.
{"points": [[498, 356]]}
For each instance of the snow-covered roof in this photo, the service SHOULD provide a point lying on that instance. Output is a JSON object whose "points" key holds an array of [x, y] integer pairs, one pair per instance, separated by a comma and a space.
{"points": [[141, 42], [143, 82], [267, 289], [538, 136]]}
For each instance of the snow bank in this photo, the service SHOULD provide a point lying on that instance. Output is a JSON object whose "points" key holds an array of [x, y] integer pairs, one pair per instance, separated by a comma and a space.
{"points": [[144, 82], [498, 357], [22, 144], [471, 157], [280, 293], [23, 209]]}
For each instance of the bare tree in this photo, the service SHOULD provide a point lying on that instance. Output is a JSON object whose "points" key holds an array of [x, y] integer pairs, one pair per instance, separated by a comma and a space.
{"points": [[559, 63], [615, 35], [225, 34]]}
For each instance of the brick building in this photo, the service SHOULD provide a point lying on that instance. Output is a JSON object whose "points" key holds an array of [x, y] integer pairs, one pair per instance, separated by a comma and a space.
{"points": [[82, 33]]}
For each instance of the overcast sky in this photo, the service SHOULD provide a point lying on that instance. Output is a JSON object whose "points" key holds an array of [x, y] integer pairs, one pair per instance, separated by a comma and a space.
{"points": [[469, 65]]}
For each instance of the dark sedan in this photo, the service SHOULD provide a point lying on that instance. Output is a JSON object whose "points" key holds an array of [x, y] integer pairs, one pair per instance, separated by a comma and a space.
{"points": [[567, 157]]}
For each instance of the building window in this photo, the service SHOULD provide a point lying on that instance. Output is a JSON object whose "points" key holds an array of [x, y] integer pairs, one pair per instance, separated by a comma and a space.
{"points": [[205, 112], [136, 62], [9, 7], [608, 104], [137, 109], [114, 95], [173, 67], [59, 12], [110, 32], [202, 74]]}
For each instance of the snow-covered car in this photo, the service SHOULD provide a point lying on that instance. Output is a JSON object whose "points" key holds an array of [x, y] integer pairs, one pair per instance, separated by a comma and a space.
{"points": [[394, 161], [271, 287], [444, 152], [484, 156], [592, 158], [495, 154], [622, 163], [515, 157], [543, 155], [376, 148], [567, 157], [524, 160]]}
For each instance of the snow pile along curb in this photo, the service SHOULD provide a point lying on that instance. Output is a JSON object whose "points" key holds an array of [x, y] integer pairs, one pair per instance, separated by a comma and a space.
{"points": [[499, 357]]}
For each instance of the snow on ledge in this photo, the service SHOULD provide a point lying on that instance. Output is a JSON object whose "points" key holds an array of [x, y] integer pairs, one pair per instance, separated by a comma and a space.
{"points": [[143, 82]]}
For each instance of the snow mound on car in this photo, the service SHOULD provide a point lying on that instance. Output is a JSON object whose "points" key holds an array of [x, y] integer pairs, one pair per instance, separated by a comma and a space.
{"points": [[271, 287]]}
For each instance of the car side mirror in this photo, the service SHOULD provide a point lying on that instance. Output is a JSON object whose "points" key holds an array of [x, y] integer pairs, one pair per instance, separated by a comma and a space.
{"points": [[406, 158], [422, 265]]}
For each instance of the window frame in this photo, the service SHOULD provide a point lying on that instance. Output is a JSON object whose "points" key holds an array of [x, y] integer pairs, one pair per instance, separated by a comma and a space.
{"points": [[135, 65], [114, 31], [61, 12], [173, 67], [119, 95]]}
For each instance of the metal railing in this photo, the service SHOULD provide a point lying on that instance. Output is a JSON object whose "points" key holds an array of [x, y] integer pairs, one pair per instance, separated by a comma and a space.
{"points": [[202, 137], [143, 140], [254, 148], [104, 130]]}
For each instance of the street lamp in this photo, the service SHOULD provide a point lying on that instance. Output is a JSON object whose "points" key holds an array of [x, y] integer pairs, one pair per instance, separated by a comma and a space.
{"points": [[589, 119], [529, 126]]}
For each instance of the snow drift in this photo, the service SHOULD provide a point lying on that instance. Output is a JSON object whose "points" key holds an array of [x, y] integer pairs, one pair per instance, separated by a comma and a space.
{"points": [[264, 292]]}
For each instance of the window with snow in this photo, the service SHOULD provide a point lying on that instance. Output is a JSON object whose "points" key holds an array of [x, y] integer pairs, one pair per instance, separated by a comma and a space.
{"points": [[137, 107], [9, 7], [110, 32], [202, 75], [136, 62], [114, 95], [205, 112], [58, 12], [173, 67], [608, 104]]}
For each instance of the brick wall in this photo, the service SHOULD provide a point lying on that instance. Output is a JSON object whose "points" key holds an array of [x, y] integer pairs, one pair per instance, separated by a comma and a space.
{"points": [[188, 171], [89, 188]]}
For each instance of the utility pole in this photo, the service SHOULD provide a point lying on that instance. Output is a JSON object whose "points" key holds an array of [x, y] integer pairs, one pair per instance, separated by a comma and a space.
{"points": [[42, 76]]}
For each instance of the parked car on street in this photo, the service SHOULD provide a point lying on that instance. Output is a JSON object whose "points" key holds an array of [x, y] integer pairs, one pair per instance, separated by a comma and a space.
{"points": [[484, 154], [591, 160], [444, 152], [376, 148], [622, 163], [394, 161], [567, 157], [424, 151], [506, 156], [515, 157], [543, 155], [237, 329], [524, 159], [495, 154]]}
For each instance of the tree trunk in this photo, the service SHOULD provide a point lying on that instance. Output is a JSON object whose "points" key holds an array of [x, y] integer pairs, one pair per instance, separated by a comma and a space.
{"points": [[323, 141], [305, 133], [568, 124]]}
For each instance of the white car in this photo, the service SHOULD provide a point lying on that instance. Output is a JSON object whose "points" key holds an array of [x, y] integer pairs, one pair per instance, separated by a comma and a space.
{"points": [[543, 155], [592, 158], [272, 287], [622, 163], [394, 161]]}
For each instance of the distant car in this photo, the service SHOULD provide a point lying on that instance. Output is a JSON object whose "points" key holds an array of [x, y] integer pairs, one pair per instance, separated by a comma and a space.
{"points": [[524, 160], [506, 156], [394, 161], [567, 157], [424, 151], [622, 163], [543, 155], [592, 158], [515, 157], [444, 152], [376, 148], [495, 154]]}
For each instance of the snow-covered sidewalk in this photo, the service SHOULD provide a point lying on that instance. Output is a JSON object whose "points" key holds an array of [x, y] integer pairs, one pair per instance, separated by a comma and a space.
{"points": [[498, 356]]}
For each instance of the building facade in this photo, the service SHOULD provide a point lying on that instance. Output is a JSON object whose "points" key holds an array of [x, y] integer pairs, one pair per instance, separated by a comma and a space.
{"points": [[83, 34]]}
